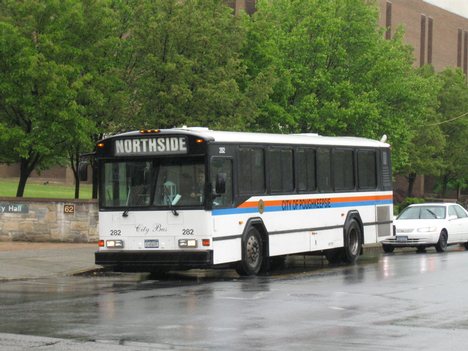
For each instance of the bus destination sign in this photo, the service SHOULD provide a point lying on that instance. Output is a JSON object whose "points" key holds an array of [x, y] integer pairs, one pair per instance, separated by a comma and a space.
{"points": [[151, 146]]}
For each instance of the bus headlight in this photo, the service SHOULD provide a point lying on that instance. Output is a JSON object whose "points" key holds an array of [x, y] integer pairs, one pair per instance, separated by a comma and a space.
{"points": [[187, 243], [115, 244]]}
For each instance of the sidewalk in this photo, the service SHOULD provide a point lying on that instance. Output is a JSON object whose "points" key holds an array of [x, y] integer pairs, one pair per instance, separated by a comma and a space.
{"points": [[25, 260]]}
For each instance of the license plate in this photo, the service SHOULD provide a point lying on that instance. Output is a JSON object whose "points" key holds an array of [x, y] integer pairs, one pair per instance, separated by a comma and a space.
{"points": [[401, 238], [151, 244]]}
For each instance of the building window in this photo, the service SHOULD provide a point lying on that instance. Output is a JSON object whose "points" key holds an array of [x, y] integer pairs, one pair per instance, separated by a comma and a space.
{"points": [[459, 48], [430, 23], [465, 53], [422, 41], [388, 21]]}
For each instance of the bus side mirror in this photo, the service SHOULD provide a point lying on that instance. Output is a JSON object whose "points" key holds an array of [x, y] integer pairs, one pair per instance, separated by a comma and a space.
{"points": [[220, 187]]}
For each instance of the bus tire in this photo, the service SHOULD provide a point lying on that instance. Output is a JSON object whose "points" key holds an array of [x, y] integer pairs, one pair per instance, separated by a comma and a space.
{"points": [[252, 253], [352, 242]]}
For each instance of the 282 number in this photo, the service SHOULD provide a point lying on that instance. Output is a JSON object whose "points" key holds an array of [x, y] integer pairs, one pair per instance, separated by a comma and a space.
{"points": [[187, 231], [115, 232]]}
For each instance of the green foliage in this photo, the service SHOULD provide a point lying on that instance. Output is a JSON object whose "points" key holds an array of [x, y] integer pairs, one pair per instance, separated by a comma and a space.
{"points": [[188, 67], [57, 79], [427, 141], [453, 99], [334, 73]]}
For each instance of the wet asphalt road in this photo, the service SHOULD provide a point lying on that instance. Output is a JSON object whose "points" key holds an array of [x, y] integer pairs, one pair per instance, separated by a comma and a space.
{"points": [[402, 301]]}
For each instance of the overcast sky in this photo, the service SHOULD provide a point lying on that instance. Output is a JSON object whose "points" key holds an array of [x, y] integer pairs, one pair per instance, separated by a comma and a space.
{"points": [[460, 7]]}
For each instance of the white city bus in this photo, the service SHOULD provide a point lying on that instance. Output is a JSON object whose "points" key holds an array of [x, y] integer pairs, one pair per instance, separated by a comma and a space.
{"points": [[194, 198]]}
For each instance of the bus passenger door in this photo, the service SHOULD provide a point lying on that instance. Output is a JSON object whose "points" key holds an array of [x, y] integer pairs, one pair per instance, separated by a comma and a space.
{"points": [[225, 222], [221, 181]]}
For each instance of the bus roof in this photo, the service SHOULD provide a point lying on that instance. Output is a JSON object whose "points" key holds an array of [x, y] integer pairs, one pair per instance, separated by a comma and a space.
{"points": [[266, 138]]}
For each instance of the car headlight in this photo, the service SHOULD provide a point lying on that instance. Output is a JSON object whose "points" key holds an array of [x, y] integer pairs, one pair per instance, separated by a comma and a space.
{"points": [[427, 229]]}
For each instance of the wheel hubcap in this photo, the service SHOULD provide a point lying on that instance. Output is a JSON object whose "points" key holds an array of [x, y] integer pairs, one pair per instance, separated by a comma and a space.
{"points": [[253, 251], [353, 242]]}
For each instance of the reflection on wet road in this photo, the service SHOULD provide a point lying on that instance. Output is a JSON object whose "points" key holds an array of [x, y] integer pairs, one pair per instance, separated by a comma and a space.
{"points": [[402, 301]]}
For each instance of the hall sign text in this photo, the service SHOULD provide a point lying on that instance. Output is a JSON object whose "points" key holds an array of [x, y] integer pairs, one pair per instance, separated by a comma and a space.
{"points": [[13, 208], [151, 146]]}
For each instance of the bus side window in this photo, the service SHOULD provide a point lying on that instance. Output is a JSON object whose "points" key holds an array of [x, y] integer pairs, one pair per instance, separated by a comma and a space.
{"points": [[324, 170], [220, 165]]}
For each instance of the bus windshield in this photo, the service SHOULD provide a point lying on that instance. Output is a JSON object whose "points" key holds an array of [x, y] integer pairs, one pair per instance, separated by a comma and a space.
{"points": [[153, 183]]}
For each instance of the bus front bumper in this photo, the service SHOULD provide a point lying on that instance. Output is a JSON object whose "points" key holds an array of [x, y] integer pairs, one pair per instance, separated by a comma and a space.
{"points": [[147, 261]]}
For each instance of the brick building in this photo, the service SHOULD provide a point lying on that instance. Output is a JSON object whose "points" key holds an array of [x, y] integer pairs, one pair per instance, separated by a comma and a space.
{"points": [[439, 37]]}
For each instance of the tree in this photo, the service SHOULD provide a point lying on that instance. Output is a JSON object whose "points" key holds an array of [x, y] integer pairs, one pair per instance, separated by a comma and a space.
{"points": [[61, 77], [38, 111], [188, 68], [335, 74], [427, 141], [101, 57], [453, 98]]}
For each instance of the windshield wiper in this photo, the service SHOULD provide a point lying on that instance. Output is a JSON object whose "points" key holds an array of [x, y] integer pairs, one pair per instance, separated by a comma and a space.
{"points": [[125, 213], [169, 202], [171, 207], [432, 213]]}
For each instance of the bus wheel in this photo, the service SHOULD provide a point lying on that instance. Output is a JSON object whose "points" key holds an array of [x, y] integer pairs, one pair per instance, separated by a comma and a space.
{"points": [[352, 243], [252, 253]]}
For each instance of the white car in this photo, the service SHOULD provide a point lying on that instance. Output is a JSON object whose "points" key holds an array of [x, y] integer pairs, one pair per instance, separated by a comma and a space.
{"points": [[429, 224]]}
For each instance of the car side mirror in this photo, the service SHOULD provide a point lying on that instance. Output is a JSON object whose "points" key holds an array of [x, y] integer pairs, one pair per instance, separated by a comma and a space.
{"points": [[220, 187]]}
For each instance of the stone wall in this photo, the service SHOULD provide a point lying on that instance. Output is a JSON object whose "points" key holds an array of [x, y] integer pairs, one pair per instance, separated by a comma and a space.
{"points": [[54, 220]]}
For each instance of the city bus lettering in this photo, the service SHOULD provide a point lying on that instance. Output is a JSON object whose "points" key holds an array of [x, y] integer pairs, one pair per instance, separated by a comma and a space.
{"points": [[305, 204], [151, 146]]}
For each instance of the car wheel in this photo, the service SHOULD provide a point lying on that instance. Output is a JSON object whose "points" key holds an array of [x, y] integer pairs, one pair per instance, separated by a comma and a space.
{"points": [[388, 248], [252, 253], [441, 245]]}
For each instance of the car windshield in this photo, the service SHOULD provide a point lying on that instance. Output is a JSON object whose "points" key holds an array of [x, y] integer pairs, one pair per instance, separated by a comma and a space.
{"points": [[153, 183], [423, 212]]}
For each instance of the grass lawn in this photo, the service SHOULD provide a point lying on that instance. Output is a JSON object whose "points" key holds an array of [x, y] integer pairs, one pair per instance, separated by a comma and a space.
{"points": [[37, 189]]}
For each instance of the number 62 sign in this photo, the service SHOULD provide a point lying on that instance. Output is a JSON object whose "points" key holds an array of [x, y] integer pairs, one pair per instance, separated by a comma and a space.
{"points": [[68, 208]]}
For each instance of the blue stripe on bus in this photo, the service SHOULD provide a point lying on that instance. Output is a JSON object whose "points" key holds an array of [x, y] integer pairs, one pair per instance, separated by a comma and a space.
{"points": [[228, 211]]}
